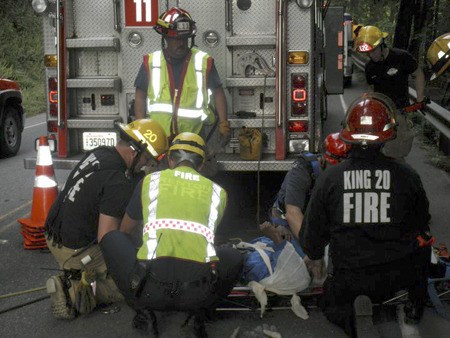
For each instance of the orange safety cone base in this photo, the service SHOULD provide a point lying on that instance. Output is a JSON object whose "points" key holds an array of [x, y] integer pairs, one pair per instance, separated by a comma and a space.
{"points": [[34, 247], [33, 231], [33, 237], [29, 241], [32, 224]]}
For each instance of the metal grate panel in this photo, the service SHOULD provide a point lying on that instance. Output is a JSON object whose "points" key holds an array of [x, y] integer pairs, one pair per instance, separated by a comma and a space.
{"points": [[94, 83], [98, 42]]}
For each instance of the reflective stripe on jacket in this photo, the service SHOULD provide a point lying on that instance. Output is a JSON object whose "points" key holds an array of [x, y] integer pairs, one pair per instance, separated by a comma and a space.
{"points": [[193, 95], [181, 211]]}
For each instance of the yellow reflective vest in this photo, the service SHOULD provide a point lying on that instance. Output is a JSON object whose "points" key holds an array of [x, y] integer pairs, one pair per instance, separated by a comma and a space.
{"points": [[181, 210], [190, 102]]}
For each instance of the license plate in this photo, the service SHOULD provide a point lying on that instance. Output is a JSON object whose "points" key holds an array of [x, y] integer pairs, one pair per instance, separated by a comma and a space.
{"points": [[93, 140]]}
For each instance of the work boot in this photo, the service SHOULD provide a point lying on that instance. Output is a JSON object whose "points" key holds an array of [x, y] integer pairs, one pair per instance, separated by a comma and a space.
{"points": [[143, 318], [60, 306], [362, 307], [413, 313], [140, 321]]}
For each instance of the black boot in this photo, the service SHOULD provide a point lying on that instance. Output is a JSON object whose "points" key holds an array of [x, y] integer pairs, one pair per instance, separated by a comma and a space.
{"points": [[199, 327], [362, 307], [140, 321], [413, 312]]}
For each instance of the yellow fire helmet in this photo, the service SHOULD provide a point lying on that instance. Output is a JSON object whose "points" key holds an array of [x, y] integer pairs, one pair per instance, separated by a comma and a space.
{"points": [[189, 142], [145, 134], [438, 55], [369, 38]]}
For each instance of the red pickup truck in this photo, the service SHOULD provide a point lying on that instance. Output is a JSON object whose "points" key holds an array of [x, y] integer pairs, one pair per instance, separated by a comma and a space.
{"points": [[11, 118]]}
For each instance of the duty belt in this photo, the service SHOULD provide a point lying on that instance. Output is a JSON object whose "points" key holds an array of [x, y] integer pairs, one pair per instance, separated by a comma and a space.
{"points": [[143, 274]]}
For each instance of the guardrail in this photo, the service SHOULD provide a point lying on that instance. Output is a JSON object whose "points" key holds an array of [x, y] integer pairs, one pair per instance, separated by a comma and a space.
{"points": [[437, 115]]}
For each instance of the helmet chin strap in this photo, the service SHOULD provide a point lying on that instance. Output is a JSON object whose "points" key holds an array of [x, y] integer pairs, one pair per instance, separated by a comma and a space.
{"points": [[382, 48], [131, 171]]}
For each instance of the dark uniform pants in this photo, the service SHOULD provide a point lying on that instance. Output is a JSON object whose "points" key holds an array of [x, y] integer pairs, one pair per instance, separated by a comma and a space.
{"points": [[379, 282], [169, 284]]}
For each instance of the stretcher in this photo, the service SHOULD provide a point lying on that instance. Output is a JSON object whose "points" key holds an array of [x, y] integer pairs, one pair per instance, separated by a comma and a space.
{"points": [[242, 298]]}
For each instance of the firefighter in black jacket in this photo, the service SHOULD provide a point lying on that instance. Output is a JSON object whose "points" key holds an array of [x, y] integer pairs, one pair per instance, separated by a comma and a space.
{"points": [[371, 209]]}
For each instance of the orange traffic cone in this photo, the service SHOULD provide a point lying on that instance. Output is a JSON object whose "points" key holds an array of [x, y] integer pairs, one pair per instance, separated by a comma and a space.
{"points": [[44, 194]]}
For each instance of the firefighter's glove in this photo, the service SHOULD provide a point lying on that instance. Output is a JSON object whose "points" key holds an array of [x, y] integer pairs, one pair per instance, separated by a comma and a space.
{"points": [[224, 133], [425, 239], [317, 270]]}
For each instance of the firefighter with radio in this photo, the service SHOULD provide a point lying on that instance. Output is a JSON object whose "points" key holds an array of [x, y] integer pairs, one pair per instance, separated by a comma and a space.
{"points": [[373, 211], [177, 267], [438, 56], [387, 72], [91, 204], [174, 83]]}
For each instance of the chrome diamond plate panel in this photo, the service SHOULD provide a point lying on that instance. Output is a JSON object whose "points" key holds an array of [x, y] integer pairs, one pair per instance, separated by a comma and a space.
{"points": [[232, 162], [86, 16], [249, 81], [91, 123], [97, 42], [302, 20], [259, 19], [96, 63], [94, 83], [49, 34]]}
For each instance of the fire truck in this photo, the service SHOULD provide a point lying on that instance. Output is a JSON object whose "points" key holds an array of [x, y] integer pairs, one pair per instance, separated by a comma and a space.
{"points": [[270, 55]]}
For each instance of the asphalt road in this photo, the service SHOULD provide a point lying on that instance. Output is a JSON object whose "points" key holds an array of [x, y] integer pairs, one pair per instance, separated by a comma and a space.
{"points": [[24, 270]]}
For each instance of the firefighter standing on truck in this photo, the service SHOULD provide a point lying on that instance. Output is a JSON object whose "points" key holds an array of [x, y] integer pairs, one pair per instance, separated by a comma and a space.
{"points": [[174, 83], [177, 267], [92, 203], [372, 210], [387, 72]]}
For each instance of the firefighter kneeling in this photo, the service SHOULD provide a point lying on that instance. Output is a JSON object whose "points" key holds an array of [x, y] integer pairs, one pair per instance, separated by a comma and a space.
{"points": [[177, 267], [92, 203], [371, 209]]}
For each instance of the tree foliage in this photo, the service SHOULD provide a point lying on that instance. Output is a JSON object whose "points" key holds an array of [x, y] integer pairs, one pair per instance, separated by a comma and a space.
{"points": [[21, 51], [411, 24]]}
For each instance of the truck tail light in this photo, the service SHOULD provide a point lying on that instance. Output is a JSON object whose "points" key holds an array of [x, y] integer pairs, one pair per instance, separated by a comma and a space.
{"points": [[298, 126], [53, 96], [298, 108], [52, 126], [299, 94]]}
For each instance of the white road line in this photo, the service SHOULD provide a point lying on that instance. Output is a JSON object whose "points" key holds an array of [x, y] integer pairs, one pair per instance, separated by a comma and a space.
{"points": [[13, 223], [15, 210], [344, 106], [34, 125]]}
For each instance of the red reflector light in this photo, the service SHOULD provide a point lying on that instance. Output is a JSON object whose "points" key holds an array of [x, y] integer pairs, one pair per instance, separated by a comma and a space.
{"points": [[53, 96], [52, 126], [299, 95], [53, 109], [298, 108], [298, 126], [298, 81], [52, 84]]}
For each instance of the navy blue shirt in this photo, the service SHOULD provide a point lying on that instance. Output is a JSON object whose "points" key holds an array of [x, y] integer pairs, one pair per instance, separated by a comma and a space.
{"points": [[370, 208], [390, 76]]}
